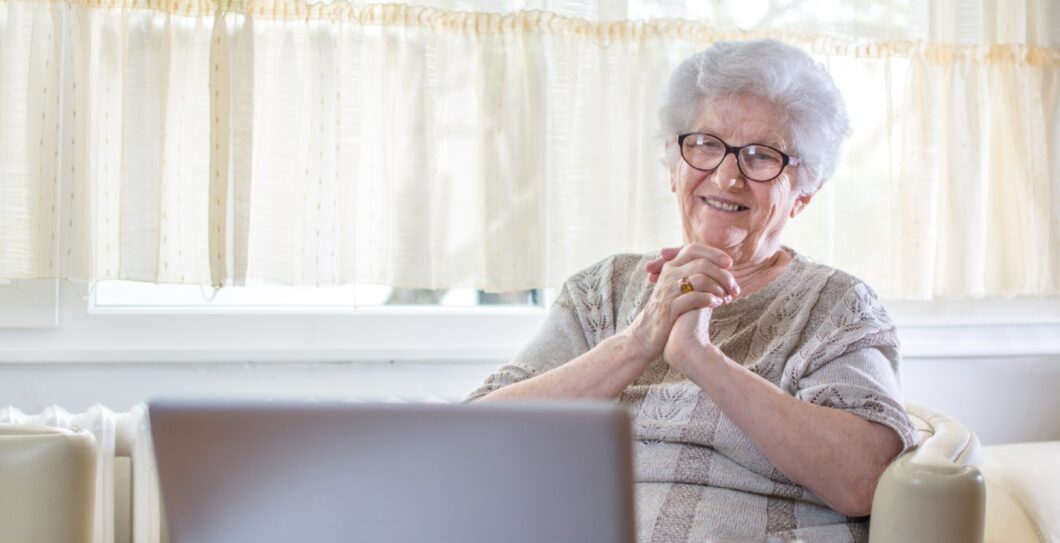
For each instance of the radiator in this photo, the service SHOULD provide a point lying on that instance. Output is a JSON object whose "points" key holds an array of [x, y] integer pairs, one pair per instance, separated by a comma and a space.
{"points": [[128, 505]]}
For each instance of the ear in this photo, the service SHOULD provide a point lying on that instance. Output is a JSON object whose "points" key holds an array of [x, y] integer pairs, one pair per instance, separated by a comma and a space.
{"points": [[801, 201], [673, 169]]}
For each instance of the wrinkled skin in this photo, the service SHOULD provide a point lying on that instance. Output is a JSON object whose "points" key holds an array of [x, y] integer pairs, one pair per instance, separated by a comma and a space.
{"points": [[750, 237]]}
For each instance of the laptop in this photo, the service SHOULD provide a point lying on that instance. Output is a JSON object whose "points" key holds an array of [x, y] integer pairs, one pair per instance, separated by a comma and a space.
{"points": [[263, 472]]}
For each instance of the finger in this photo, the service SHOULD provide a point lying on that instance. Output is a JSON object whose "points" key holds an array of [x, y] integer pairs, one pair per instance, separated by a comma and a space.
{"points": [[669, 253], [655, 266], [692, 301], [722, 279], [665, 255], [710, 270], [703, 283], [694, 251]]}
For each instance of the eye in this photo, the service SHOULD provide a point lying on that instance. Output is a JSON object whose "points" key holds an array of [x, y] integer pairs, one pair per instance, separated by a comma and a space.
{"points": [[704, 144], [708, 143], [762, 156]]}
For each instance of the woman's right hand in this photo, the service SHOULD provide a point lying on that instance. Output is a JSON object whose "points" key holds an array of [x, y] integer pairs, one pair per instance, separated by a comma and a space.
{"points": [[706, 269]]}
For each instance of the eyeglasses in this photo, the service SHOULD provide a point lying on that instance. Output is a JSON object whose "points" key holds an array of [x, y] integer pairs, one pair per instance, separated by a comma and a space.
{"points": [[757, 162]]}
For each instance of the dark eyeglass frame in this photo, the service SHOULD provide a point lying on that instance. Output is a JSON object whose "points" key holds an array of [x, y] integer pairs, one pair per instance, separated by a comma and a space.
{"points": [[735, 151]]}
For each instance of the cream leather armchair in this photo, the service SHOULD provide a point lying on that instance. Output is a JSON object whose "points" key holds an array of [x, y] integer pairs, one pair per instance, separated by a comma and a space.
{"points": [[47, 485], [951, 490], [1022, 492]]}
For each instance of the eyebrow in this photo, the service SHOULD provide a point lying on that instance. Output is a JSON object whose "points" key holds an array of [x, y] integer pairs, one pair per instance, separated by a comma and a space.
{"points": [[755, 141]]}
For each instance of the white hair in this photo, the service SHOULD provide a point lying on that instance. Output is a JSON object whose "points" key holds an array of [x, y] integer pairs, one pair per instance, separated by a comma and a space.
{"points": [[778, 73]]}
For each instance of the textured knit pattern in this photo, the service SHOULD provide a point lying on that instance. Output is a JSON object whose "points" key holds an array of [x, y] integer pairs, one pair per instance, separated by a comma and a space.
{"points": [[819, 334]]}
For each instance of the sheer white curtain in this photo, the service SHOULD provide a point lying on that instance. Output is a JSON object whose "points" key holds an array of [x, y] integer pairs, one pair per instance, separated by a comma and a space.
{"points": [[500, 145]]}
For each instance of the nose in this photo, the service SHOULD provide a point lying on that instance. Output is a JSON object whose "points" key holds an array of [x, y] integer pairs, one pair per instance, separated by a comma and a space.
{"points": [[727, 175]]}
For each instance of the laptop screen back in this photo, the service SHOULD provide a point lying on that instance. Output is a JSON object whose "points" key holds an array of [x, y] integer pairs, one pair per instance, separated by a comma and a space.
{"points": [[328, 472]]}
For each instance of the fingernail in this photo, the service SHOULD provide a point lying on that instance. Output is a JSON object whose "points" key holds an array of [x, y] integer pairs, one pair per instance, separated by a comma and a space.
{"points": [[728, 299]]}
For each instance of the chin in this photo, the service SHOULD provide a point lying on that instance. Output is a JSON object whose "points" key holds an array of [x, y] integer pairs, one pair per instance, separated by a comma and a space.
{"points": [[714, 234]]}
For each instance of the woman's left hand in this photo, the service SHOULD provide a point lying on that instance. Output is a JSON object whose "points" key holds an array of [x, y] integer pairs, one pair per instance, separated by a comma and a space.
{"points": [[689, 342], [689, 338]]}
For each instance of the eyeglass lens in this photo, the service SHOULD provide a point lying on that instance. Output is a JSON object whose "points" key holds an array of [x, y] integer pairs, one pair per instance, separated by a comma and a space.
{"points": [[757, 162]]}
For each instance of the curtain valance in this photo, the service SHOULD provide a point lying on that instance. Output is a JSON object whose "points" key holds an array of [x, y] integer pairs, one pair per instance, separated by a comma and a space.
{"points": [[211, 142]]}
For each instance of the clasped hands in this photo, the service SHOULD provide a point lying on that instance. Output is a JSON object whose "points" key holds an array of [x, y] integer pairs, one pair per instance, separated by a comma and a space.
{"points": [[675, 323]]}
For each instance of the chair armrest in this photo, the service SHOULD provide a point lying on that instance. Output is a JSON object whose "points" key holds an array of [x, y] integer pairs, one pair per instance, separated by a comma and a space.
{"points": [[47, 484], [933, 492]]}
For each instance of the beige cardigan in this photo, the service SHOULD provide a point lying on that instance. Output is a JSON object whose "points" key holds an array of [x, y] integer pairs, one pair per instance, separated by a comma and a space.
{"points": [[819, 334]]}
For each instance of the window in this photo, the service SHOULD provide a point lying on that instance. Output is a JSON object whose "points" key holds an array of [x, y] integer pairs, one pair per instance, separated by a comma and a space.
{"points": [[132, 294]]}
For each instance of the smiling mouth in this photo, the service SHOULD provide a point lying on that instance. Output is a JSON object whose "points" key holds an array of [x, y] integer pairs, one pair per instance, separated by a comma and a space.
{"points": [[722, 206]]}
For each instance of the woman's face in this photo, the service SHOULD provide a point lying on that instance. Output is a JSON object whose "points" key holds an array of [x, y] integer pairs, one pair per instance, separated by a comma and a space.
{"points": [[751, 233]]}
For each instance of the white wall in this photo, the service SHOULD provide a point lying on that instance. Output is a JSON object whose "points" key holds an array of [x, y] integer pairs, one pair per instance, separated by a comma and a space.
{"points": [[1002, 399], [34, 386]]}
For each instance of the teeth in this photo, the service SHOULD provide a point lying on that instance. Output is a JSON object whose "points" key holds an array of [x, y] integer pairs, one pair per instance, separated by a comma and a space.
{"points": [[721, 205]]}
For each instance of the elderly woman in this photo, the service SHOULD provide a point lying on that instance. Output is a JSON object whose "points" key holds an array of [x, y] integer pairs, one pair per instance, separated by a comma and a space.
{"points": [[763, 386]]}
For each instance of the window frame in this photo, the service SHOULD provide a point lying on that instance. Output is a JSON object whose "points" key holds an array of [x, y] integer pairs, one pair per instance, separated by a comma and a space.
{"points": [[88, 333]]}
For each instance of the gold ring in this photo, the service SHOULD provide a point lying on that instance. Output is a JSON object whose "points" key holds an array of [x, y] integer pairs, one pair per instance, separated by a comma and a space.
{"points": [[686, 286]]}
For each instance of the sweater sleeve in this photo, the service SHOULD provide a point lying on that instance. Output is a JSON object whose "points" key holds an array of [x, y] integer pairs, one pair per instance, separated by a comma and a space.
{"points": [[582, 316], [864, 383], [559, 341], [851, 362]]}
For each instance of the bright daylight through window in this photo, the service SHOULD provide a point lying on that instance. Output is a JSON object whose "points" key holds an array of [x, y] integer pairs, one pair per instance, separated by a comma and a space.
{"points": [[133, 294]]}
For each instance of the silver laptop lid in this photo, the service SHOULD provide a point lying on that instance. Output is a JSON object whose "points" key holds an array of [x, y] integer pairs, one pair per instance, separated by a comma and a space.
{"points": [[243, 472]]}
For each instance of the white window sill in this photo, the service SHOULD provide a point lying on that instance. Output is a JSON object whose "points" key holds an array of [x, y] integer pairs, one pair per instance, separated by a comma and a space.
{"points": [[263, 334], [321, 334]]}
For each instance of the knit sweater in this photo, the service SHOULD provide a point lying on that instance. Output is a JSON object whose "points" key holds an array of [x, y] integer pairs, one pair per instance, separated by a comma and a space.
{"points": [[817, 333]]}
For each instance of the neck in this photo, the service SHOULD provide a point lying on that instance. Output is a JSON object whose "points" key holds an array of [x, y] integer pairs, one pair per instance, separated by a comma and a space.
{"points": [[754, 275]]}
